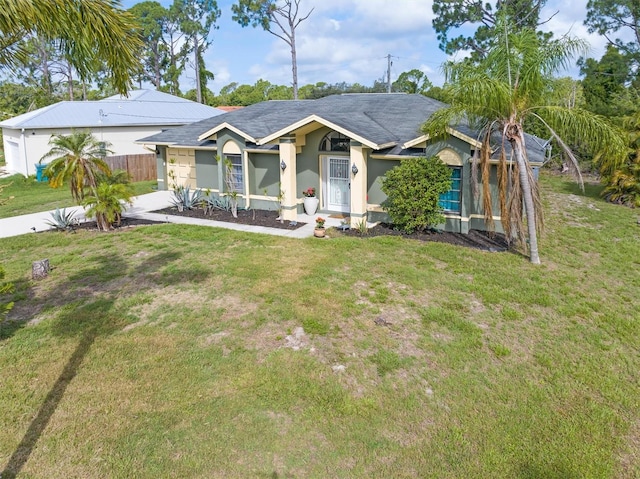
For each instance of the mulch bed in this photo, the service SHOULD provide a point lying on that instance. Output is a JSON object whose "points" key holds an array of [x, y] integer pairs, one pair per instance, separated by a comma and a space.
{"points": [[474, 239], [245, 217], [482, 240]]}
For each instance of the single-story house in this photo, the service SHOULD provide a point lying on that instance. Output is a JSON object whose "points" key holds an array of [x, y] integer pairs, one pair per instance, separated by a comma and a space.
{"points": [[117, 120], [341, 145]]}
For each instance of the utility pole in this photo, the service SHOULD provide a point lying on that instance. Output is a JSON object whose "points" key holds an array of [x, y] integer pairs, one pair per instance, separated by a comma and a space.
{"points": [[389, 63]]}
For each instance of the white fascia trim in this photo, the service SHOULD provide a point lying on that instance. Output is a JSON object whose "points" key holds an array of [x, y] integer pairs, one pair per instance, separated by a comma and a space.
{"points": [[256, 150], [414, 142], [191, 147], [322, 121], [161, 143], [227, 126], [390, 157], [451, 131], [481, 217]]}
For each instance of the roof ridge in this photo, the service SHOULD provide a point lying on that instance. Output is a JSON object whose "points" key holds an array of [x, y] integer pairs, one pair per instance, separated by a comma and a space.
{"points": [[366, 113]]}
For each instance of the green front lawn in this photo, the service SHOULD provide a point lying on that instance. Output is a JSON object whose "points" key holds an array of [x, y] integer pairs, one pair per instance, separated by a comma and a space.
{"points": [[165, 351], [29, 196]]}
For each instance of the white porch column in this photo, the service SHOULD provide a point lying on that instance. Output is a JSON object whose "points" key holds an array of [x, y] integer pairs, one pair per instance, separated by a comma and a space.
{"points": [[358, 183], [288, 182]]}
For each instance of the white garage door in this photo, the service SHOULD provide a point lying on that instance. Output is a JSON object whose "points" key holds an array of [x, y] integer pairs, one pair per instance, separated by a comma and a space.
{"points": [[12, 155]]}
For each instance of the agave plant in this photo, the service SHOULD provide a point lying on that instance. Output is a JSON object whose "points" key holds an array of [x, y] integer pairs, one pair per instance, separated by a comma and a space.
{"points": [[61, 220], [184, 199], [214, 202]]}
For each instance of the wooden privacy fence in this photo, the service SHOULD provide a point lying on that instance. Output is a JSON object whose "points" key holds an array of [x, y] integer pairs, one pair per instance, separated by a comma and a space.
{"points": [[140, 167]]}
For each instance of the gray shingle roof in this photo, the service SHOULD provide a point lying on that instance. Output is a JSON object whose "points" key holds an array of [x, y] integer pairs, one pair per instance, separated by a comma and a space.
{"points": [[142, 107], [382, 119]]}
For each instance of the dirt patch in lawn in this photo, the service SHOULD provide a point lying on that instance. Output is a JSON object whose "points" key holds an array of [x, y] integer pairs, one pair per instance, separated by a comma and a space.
{"points": [[125, 223], [245, 217]]}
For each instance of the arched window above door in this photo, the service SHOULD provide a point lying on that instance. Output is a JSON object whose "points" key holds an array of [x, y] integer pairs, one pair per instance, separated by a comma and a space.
{"points": [[334, 141]]}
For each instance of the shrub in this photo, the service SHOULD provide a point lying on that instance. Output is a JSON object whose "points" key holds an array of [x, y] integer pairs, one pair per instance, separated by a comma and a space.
{"points": [[5, 288], [116, 177], [107, 204], [413, 191], [624, 186]]}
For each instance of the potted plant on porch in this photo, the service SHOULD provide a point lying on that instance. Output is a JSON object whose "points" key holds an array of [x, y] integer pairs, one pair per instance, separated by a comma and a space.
{"points": [[310, 201], [319, 231]]}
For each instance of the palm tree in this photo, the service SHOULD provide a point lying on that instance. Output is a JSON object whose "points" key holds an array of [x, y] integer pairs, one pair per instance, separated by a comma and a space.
{"points": [[77, 158], [107, 203], [87, 32], [498, 96]]}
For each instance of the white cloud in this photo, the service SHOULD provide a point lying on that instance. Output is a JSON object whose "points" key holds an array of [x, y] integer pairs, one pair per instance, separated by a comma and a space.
{"points": [[222, 76], [567, 18], [348, 40]]}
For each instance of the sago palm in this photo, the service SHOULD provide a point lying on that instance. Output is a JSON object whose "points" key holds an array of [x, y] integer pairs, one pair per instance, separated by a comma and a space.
{"points": [[497, 96], [107, 203], [77, 158]]}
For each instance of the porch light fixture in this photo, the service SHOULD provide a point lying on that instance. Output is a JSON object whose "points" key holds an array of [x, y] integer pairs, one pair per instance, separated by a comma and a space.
{"points": [[354, 169], [283, 165]]}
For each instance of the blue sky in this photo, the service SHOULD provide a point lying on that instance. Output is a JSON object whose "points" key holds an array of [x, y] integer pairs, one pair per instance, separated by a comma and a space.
{"points": [[348, 40]]}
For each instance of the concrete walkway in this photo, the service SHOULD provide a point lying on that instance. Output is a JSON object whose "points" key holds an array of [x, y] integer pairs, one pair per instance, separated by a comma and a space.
{"points": [[142, 205]]}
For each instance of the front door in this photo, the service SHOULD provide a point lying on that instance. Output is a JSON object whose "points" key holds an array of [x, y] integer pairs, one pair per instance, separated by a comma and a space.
{"points": [[338, 185]]}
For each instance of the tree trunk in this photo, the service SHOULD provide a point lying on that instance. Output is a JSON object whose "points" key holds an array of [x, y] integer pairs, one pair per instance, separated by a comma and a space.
{"points": [[70, 85], [527, 195], [156, 68], [40, 269], [294, 64], [197, 67]]}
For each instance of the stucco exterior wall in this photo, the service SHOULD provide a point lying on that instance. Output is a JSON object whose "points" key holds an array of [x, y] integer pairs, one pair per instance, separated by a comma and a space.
{"points": [[457, 153], [207, 174], [309, 168], [34, 143], [264, 175], [161, 161]]}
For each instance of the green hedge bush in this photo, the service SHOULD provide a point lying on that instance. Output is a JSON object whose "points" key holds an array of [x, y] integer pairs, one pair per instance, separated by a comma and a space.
{"points": [[413, 191]]}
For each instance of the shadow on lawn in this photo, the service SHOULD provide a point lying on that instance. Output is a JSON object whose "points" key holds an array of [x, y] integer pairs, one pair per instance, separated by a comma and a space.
{"points": [[95, 317], [9, 325], [552, 470], [590, 190]]}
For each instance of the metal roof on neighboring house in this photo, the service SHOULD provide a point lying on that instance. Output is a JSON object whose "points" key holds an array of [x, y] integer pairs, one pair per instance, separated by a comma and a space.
{"points": [[140, 108]]}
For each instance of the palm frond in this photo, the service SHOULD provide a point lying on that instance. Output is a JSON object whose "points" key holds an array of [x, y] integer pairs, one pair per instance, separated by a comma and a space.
{"points": [[437, 124], [503, 185], [580, 126], [514, 223], [485, 165], [87, 32]]}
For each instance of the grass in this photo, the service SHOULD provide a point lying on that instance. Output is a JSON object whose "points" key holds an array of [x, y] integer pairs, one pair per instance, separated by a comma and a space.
{"points": [[29, 196], [161, 352]]}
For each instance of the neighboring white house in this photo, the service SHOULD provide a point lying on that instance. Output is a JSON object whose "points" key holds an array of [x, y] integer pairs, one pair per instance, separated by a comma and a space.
{"points": [[117, 120]]}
